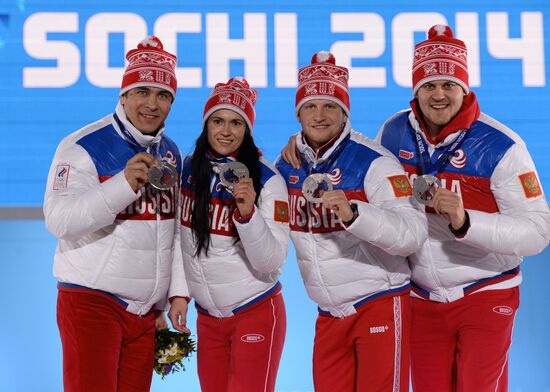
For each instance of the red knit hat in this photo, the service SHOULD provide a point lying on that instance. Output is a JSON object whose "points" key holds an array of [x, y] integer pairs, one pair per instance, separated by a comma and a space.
{"points": [[150, 65], [323, 79], [440, 57], [235, 95]]}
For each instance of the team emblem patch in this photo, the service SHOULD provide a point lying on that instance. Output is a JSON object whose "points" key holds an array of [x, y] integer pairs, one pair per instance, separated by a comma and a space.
{"points": [[281, 211], [530, 184], [406, 154], [459, 159], [293, 179], [335, 176], [61, 176], [401, 185]]}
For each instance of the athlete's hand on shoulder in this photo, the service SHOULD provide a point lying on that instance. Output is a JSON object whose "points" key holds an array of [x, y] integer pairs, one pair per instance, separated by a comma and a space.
{"points": [[290, 153], [137, 168]]}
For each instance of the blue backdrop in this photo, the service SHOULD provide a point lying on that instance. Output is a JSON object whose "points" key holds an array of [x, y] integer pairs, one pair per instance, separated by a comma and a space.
{"points": [[61, 64]]}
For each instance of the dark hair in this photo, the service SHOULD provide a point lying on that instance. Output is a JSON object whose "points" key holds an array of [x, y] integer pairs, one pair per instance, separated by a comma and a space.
{"points": [[200, 174]]}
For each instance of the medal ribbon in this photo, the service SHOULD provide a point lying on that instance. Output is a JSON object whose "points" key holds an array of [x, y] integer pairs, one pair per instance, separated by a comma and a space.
{"points": [[426, 165], [130, 139]]}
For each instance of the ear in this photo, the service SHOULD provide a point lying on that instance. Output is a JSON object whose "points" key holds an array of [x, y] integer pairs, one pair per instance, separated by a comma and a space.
{"points": [[298, 113], [122, 99]]}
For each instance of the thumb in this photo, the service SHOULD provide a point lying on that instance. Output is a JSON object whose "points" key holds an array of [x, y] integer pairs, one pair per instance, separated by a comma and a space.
{"points": [[183, 323]]}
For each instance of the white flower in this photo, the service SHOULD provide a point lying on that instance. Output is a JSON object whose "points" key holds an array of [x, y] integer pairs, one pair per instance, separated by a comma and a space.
{"points": [[163, 359], [173, 349]]}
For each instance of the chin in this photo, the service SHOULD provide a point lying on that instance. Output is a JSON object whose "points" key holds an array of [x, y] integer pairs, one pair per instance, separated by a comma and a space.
{"points": [[224, 151]]}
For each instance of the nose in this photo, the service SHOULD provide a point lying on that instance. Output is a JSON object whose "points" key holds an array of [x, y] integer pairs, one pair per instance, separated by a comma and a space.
{"points": [[319, 114], [226, 128], [438, 93], [151, 102]]}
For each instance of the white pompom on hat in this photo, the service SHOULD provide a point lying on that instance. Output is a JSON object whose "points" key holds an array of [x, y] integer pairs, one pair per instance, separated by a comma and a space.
{"points": [[235, 95], [323, 79], [440, 57], [149, 65]]}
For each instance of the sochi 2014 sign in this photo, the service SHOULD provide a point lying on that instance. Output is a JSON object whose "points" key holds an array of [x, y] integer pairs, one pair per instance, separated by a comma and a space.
{"points": [[374, 36]]}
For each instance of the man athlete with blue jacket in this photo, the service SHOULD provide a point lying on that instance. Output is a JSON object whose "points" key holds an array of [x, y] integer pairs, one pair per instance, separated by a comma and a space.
{"points": [[485, 212], [116, 231]]}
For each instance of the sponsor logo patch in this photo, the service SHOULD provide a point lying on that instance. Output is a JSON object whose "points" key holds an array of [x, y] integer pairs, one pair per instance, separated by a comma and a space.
{"points": [[406, 154], [401, 185], [379, 329], [530, 184], [504, 310], [61, 176], [281, 211], [252, 338]]}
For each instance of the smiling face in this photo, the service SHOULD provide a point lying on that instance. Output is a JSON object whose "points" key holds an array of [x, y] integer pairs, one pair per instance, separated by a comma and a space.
{"points": [[439, 101], [147, 107], [321, 120], [226, 130]]}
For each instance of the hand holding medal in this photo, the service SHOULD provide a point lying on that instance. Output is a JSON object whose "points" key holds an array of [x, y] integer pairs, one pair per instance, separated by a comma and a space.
{"points": [[314, 186], [234, 176], [162, 176], [424, 188], [231, 172], [137, 168]]}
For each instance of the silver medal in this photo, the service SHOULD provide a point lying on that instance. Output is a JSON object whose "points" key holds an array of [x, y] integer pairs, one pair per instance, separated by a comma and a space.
{"points": [[230, 173], [162, 176], [314, 186], [424, 188]]}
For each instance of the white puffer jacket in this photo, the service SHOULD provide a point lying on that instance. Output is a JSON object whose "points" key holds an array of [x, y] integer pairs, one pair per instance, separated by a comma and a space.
{"points": [[244, 260], [110, 238], [343, 267], [495, 176]]}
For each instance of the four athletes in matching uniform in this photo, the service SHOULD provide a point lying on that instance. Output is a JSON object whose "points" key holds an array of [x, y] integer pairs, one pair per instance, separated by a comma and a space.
{"points": [[346, 200]]}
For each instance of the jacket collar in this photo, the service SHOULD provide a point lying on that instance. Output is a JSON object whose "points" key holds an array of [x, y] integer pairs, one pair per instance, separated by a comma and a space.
{"points": [[142, 139], [467, 115], [324, 151]]}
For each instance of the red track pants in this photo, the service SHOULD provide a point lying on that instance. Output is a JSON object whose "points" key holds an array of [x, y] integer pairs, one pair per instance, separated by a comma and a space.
{"points": [[365, 352], [105, 348], [462, 346], [242, 353]]}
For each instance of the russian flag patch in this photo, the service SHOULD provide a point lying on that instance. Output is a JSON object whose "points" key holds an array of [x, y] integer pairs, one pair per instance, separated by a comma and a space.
{"points": [[530, 184]]}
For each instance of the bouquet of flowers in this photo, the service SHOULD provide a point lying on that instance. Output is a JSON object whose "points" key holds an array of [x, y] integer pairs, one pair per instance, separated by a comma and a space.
{"points": [[171, 348]]}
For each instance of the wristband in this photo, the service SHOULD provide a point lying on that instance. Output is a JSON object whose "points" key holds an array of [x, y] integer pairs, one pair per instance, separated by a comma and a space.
{"points": [[187, 299], [462, 230], [355, 212], [243, 219]]}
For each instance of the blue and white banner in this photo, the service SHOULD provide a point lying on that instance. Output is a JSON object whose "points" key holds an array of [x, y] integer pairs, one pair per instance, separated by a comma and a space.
{"points": [[61, 65]]}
